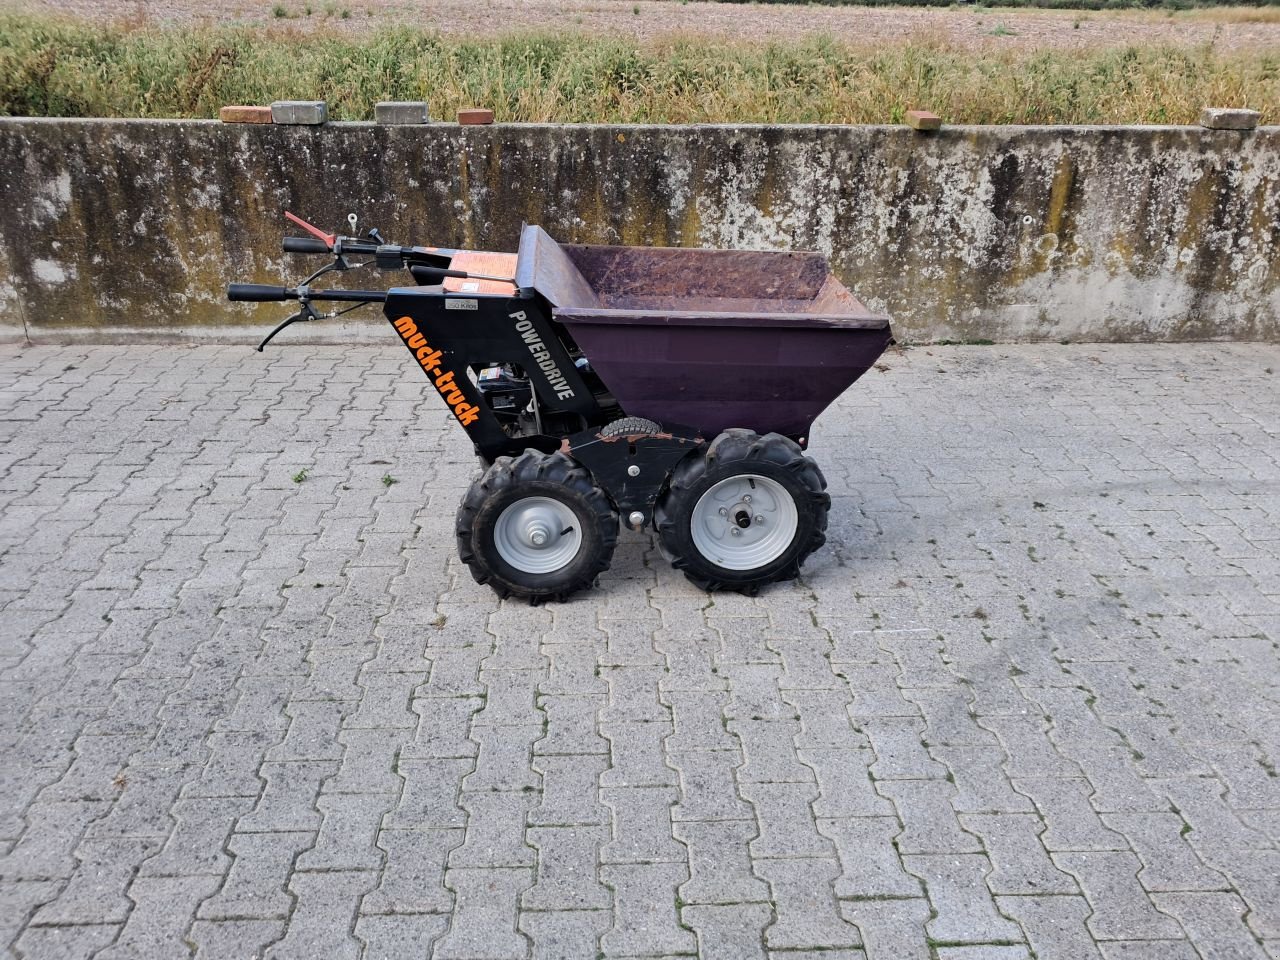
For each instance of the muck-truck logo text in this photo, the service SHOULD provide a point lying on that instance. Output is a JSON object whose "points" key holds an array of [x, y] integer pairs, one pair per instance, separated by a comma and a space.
{"points": [[429, 359]]}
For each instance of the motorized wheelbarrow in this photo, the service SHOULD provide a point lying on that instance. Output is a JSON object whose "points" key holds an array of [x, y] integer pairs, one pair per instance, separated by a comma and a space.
{"points": [[671, 388]]}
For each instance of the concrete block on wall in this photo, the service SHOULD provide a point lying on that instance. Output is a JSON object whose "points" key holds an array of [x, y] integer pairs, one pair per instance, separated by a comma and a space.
{"points": [[302, 112], [401, 112]]}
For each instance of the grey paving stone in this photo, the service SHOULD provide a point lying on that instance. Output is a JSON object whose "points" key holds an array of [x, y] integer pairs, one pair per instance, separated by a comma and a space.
{"points": [[947, 716], [1117, 787], [707, 787], [369, 762], [641, 819], [898, 743], [503, 761], [254, 888], [495, 834], [288, 801], [564, 935], [784, 813], [1256, 877], [964, 912], [753, 691], [645, 918], [432, 790], [567, 863], [412, 878], [1072, 822], [890, 929], [1168, 862], [636, 755], [96, 891], [806, 914], [21, 898], [984, 952], [510, 698], [1148, 950], [633, 694], [825, 723], [232, 767], [698, 720], [455, 673], [690, 650], [845, 787], [79, 942], [1216, 829], [719, 863], [483, 923], [1213, 921], [347, 832], [324, 915], [442, 728], [730, 930], [929, 821], [393, 937], [1020, 864], [158, 923], [570, 790], [806, 665], [1054, 926], [982, 786], [1029, 750], [769, 749], [195, 845], [629, 638], [742, 637], [45, 848], [572, 726], [870, 865]]}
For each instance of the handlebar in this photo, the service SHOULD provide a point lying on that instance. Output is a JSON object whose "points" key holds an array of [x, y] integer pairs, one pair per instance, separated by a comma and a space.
{"points": [[427, 265], [261, 293], [258, 292], [305, 245]]}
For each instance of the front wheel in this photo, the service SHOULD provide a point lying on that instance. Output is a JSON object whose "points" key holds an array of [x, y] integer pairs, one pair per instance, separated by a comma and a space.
{"points": [[745, 513], [536, 527]]}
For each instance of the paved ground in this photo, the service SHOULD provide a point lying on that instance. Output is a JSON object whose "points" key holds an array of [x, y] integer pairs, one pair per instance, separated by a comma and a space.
{"points": [[1026, 701]]}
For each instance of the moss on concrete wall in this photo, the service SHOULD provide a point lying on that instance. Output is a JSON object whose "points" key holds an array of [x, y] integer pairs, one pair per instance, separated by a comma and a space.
{"points": [[1003, 233]]}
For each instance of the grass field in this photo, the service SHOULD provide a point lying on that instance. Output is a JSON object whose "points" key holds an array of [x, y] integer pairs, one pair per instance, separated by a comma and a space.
{"points": [[52, 66]]}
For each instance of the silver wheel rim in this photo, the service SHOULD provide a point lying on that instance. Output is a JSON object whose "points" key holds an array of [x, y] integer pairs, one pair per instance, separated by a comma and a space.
{"points": [[771, 517], [537, 535]]}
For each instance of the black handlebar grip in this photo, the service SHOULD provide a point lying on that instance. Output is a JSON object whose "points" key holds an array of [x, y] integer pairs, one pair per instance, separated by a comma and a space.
{"points": [[257, 292], [305, 245]]}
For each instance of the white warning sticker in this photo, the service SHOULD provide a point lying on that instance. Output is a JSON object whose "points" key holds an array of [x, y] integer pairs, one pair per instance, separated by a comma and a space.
{"points": [[457, 303]]}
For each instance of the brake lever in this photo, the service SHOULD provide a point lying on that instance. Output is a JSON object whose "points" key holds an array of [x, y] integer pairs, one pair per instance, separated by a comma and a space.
{"points": [[305, 312]]}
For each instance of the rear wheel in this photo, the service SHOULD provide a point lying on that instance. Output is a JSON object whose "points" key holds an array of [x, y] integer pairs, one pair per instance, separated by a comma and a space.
{"points": [[745, 513], [536, 527]]}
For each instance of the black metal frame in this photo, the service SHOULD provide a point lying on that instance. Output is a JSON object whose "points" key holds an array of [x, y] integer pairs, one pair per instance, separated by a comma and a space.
{"points": [[452, 336]]}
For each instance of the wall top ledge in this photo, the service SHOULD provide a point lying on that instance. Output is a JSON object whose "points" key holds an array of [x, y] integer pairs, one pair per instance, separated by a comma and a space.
{"points": [[952, 129]]}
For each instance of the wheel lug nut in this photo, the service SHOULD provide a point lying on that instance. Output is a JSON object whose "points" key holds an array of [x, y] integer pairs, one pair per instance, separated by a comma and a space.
{"points": [[735, 531], [724, 512], [746, 498], [759, 519]]}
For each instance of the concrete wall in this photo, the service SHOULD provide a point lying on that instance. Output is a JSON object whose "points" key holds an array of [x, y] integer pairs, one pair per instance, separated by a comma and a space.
{"points": [[112, 229]]}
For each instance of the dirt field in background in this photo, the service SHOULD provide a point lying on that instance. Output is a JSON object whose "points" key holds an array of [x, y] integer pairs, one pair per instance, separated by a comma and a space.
{"points": [[648, 19]]}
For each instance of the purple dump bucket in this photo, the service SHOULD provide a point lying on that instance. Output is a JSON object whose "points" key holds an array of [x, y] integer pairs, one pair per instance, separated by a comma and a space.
{"points": [[708, 339]]}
